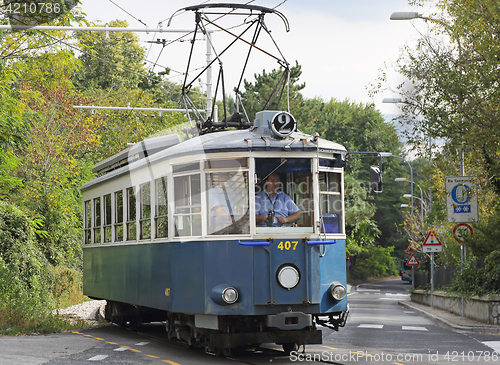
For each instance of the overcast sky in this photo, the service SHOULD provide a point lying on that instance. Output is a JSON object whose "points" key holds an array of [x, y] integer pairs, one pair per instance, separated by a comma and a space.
{"points": [[340, 44]]}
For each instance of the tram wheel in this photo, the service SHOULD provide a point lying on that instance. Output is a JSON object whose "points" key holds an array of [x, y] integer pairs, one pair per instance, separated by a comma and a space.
{"points": [[135, 322], [290, 347], [119, 320]]}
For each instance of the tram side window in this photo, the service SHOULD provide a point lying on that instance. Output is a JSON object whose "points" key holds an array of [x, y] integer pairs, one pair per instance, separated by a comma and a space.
{"points": [[97, 220], [145, 218], [107, 218], [187, 213], [119, 216], [131, 214], [227, 201], [330, 202], [161, 214], [87, 222]]}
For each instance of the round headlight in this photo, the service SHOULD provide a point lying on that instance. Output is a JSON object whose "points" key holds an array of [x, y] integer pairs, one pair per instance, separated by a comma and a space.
{"points": [[288, 277], [230, 295], [338, 291]]}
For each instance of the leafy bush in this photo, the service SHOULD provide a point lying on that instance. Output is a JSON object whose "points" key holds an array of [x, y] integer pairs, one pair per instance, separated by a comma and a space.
{"points": [[25, 275], [477, 280], [375, 261]]}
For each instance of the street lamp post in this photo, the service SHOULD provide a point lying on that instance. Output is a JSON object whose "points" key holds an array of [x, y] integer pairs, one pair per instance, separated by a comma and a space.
{"points": [[423, 207], [414, 15], [411, 185], [388, 154]]}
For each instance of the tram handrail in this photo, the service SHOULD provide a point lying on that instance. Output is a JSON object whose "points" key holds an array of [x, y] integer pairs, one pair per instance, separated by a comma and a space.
{"points": [[253, 243], [331, 242]]}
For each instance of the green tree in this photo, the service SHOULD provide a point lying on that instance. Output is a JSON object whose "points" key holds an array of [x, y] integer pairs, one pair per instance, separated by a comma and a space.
{"points": [[114, 62], [256, 94], [452, 84], [452, 75], [13, 128], [53, 163]]}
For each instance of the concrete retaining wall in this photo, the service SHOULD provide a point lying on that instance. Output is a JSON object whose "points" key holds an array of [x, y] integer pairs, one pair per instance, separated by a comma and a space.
{"points": [[482, 309]]}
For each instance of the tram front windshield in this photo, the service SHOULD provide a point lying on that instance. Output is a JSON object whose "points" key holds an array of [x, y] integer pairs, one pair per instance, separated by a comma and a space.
{"points": [[284, 194]]}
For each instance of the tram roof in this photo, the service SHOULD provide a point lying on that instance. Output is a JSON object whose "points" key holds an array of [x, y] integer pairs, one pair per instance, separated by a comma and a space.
{"points": [[224, 141], [251, 140]]}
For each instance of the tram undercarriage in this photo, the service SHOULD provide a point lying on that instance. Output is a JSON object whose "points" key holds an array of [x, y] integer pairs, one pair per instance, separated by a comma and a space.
{"points": [[221, 334]]}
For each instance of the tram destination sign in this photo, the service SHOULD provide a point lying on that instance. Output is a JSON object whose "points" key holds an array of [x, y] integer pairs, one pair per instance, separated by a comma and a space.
{"points": [[461, 199]]}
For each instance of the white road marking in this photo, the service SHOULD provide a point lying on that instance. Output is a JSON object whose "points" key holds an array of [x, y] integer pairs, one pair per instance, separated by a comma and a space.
{"points": [[97, 358], [121, 349], [371, 326], [368, 290], [495, 345], [141, 343], [411, 328]]}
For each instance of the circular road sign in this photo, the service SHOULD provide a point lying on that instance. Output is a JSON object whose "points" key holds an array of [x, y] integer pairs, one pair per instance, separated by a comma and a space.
{"points": [[462, 232]]}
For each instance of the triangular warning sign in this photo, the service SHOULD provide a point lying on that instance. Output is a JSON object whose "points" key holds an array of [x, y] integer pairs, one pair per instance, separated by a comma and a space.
{"points": [[412, 248], [412, 261], [432, 239]]}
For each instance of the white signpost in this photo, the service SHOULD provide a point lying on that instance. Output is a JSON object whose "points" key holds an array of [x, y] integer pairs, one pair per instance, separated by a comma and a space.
{"points": [[461, 201]]}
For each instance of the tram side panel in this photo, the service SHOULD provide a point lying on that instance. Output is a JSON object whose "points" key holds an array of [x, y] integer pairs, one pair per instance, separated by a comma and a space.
{"points": [[228, 264], [133, 274], [333, 268]]}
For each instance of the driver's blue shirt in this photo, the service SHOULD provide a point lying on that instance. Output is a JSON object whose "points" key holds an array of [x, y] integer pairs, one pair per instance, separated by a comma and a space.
{"points": [[281, 203]]}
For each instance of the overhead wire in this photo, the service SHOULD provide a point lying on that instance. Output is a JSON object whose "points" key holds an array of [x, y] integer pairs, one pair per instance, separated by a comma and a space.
{"points": [[164, 45], [118, 6]]}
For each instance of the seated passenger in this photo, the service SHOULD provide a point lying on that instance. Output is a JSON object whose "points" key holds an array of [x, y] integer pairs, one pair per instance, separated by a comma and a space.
{"points": [[273, 207]]}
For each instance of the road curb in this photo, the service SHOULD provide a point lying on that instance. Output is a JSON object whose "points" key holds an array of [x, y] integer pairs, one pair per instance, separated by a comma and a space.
{"points": [[445, 323]]}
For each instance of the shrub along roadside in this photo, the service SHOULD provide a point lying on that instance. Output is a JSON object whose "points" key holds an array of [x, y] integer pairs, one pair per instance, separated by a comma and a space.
{"points": [[477, 280], [28, 283]]}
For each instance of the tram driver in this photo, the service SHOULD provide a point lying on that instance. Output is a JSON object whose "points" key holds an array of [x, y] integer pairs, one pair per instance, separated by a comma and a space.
{"points": [[273, 207]]}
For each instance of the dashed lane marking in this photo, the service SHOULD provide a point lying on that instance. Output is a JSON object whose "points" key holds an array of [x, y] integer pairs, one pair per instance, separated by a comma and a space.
{"points": [[412, 328], [122, 348], [328, 347], [97, 358], [379, 326]]}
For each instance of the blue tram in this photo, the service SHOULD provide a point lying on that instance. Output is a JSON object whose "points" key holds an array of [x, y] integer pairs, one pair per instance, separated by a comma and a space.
{"points": [[156, 249]]}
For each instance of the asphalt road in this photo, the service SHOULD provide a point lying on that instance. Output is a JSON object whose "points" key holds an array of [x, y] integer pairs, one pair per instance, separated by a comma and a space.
{"points": [[378, 331], [383, 332]]}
